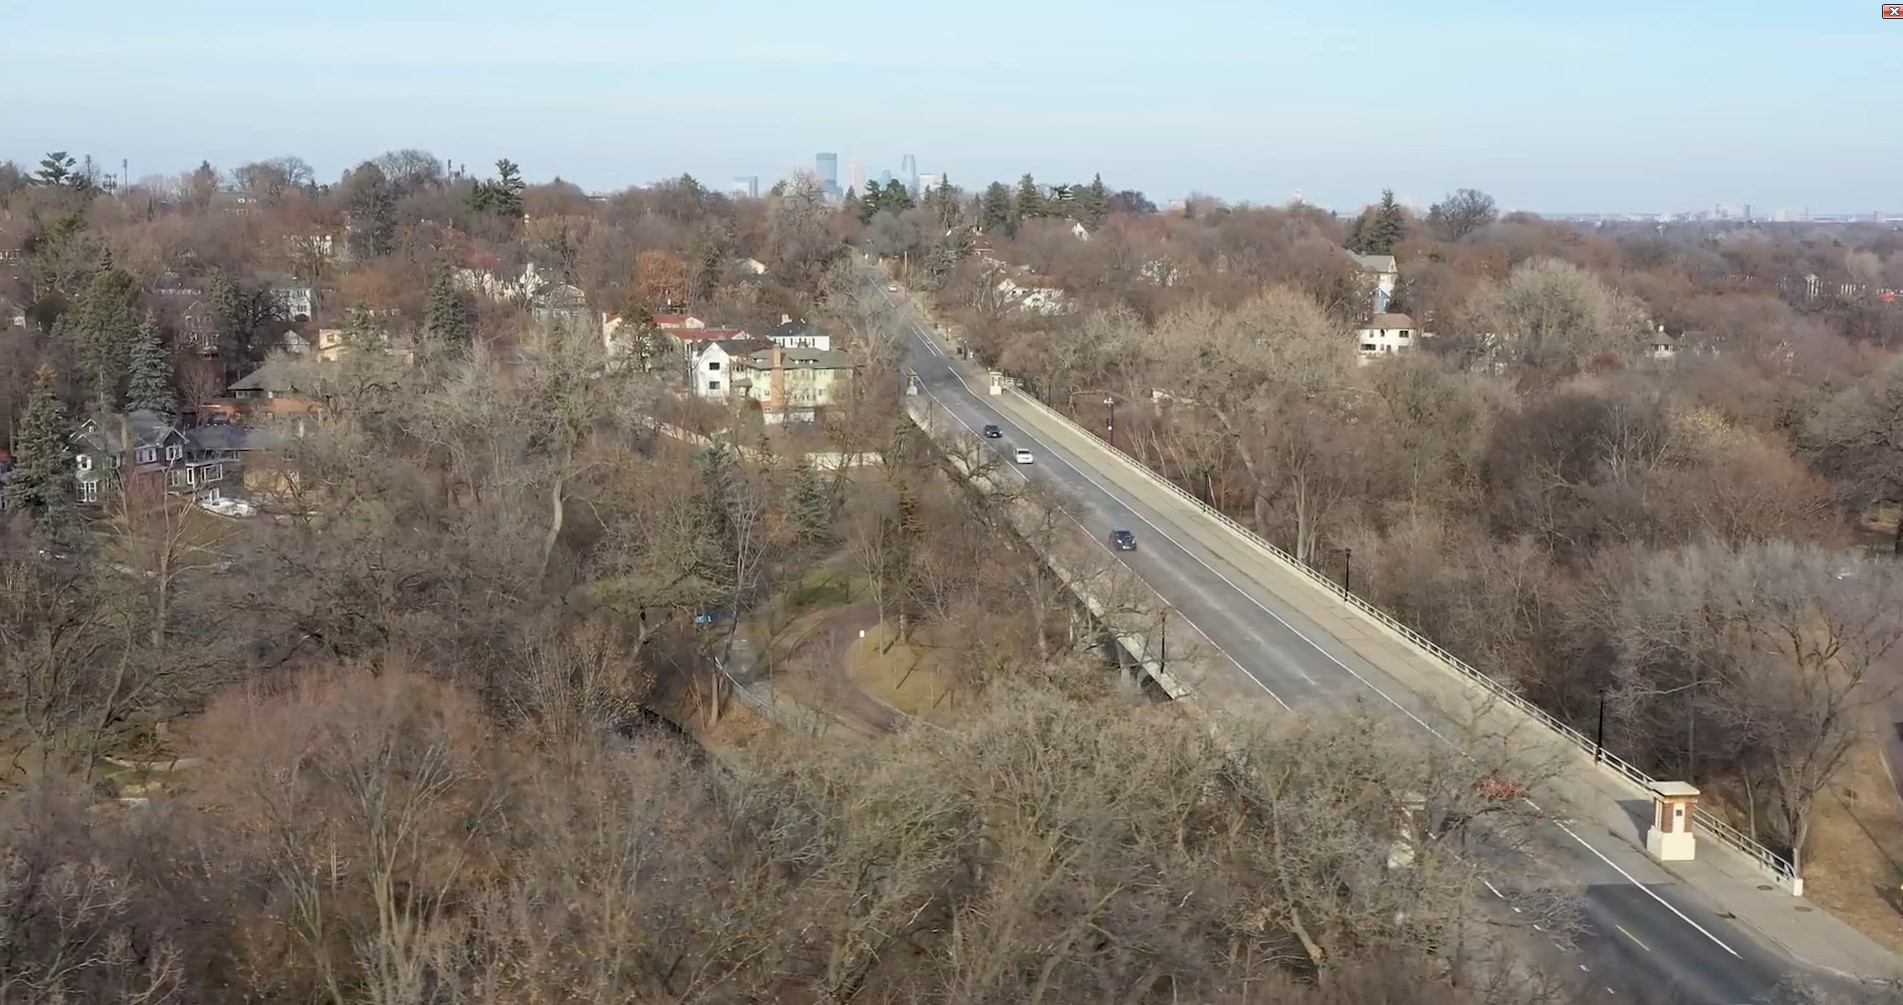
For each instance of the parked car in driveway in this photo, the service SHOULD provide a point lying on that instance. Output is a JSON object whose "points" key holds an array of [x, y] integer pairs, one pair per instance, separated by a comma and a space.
{"points": [[1123, 540], [992, 431], [1022, 455]]}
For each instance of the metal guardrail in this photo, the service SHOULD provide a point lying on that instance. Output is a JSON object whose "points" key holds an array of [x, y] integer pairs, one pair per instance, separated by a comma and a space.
{"points": [[1777, 865]]}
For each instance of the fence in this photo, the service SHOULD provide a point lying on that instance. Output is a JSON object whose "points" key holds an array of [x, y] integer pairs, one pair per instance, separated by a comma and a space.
{"points": [[1777, 865]]}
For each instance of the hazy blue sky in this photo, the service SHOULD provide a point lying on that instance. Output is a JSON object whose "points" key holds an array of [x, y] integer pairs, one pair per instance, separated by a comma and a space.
{"points": [[1609, 104]]}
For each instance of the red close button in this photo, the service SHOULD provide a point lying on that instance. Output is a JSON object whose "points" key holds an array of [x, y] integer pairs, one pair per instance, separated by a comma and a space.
{"points": [[1893, 11]]}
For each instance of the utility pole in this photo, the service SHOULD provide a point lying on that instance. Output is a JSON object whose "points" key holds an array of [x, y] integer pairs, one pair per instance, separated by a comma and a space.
{"points": [[1599, 743]]}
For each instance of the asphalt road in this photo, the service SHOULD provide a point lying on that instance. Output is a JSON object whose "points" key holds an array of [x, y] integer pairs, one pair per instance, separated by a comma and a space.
{"points": [[1646, 934]]}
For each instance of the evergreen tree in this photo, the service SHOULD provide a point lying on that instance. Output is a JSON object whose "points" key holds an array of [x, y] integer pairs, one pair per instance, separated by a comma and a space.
{"points": [[1030, 201], [996, 214], [1093, 202], [149, 383], [1385, 227], [102, 328], [42, 480], [236, 316], [896, 197], [56, 168], [447, 317], [943, 203], [503, 196], [812, 509], [852, 206]]}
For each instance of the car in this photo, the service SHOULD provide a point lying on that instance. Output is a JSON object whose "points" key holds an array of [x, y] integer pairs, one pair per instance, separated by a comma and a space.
{"points": [[992, 431], [892, 287], [1123, 540], [1022, 455]]}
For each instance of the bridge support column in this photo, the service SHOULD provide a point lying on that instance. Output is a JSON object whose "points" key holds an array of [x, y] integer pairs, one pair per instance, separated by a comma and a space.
{"points": [[997, 382], [1670, 839]]}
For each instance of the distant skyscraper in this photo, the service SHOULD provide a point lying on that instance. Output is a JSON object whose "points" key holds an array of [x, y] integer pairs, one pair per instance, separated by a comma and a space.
{"points": [[908, 173], [928, 181], [856, 176], [885, 178], [747, 185], [827, 166]]}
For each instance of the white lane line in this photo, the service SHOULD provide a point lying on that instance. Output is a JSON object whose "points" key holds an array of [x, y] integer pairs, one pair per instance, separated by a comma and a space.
{"points": [[1495, 889], [1648, 892], [1634, 938], [1417, 719], [1087, 533]]}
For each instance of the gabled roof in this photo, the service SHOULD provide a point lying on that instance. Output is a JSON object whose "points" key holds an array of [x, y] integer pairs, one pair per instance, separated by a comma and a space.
{"points": [[231, 437], [817, 359], [707, 334], [1385, 321], [147, 429], [735, 346], [795, 329], [272, 376], [1375, 263]]}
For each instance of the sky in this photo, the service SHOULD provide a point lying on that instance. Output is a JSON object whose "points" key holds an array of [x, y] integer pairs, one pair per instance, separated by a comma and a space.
{"points": [[1604, 106]]}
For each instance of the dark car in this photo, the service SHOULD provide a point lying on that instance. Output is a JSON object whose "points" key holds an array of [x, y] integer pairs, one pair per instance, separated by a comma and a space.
{"points": [[992, 431], [1123, 540]]}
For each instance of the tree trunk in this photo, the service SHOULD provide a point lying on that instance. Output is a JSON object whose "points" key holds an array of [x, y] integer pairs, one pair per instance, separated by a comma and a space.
{"points": [[555, 516]]}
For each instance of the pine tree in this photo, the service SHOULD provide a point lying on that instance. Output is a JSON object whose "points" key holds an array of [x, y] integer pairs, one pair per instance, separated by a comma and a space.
{"points": [[1030, 201], [447, 317], [102, 328], [149, 382], [812, 510], [996, 215], [1385, 228], [42, 480], [1093, 202], [897, 197]]}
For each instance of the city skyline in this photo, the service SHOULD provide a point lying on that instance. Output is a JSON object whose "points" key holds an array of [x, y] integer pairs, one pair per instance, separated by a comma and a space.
{"points": [[1616, 104]]}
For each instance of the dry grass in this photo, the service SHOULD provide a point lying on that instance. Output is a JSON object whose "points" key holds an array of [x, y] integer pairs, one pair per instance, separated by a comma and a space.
{"points": [[905, 676], [1856, 853]]}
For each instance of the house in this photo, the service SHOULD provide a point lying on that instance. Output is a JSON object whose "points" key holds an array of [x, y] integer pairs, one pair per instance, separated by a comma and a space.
{"points": [[1036, 295], [672, 322], [801, 334], [1385, 334], [183, 307], [295, 298], [563, 304], [1660, 347], [275, 390], [1383, 273], [791, 385], [752, 267], [1079, 231], [712, 363], [525, 289], [147, 452]]}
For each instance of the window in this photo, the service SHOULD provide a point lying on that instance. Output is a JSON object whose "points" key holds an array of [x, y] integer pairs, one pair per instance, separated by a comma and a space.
{"points": [[211, 473], [174, 452], [85, 462], [713, 385], [1367, 347], [88, 491], [178, 478], [713, 365], [1406, 333], [146, 455]]}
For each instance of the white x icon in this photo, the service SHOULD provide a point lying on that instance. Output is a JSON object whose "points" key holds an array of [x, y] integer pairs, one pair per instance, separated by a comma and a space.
{"points": [[1893, 10]]}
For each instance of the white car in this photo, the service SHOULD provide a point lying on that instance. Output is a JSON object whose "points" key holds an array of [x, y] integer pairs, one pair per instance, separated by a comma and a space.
{"points": [[235, 508], [1022, 455], [892, 287]]}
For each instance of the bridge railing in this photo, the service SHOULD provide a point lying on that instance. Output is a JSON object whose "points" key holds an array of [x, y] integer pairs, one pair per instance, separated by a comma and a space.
{"points": [[1770, 861]]}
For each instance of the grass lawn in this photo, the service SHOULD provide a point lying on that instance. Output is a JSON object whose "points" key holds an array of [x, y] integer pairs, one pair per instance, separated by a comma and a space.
{"points": [[903, 676], [1856, 849]]}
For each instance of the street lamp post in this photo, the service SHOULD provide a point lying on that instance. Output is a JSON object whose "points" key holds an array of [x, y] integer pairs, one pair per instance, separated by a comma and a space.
{"points": [[1599, 742], [1110, 419], [1347, 570]]}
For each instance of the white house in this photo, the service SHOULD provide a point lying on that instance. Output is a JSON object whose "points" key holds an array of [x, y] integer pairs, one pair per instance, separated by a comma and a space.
{"points": [[802, 334], [1386, 334], [488, 284], [713, 364], [1660, 347], [1079, 231], [298, 300], [1036, 299]]}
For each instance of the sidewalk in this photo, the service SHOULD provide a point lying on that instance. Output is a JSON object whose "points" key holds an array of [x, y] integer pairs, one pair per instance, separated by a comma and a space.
{"points": [[1424, 687]]}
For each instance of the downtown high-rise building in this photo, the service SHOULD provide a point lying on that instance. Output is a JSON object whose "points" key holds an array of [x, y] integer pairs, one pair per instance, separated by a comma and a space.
{"points": [[908, 173], [827, 167], [747, 186], [885, 179], [856, 176], [928, 181]]}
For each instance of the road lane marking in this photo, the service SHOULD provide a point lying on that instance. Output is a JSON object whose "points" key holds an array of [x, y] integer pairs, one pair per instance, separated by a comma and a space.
{"points": [[1495, 889], [1087, 533], [1648, 891], [1634, 938]]}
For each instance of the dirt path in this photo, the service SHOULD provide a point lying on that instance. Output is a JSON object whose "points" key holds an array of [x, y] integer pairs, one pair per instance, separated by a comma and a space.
{"points": [[816, 672]]}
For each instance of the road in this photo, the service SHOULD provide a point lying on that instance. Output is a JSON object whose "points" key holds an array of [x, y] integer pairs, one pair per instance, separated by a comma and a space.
{"points": [[1646, 931]]}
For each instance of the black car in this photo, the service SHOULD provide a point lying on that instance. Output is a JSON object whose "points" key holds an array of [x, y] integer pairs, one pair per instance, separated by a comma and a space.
{"points": [[1123, 540], [992, 431]]}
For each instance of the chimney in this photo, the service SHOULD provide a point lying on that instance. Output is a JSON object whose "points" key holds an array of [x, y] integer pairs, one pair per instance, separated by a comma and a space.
{"points": [[786, 319]]}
